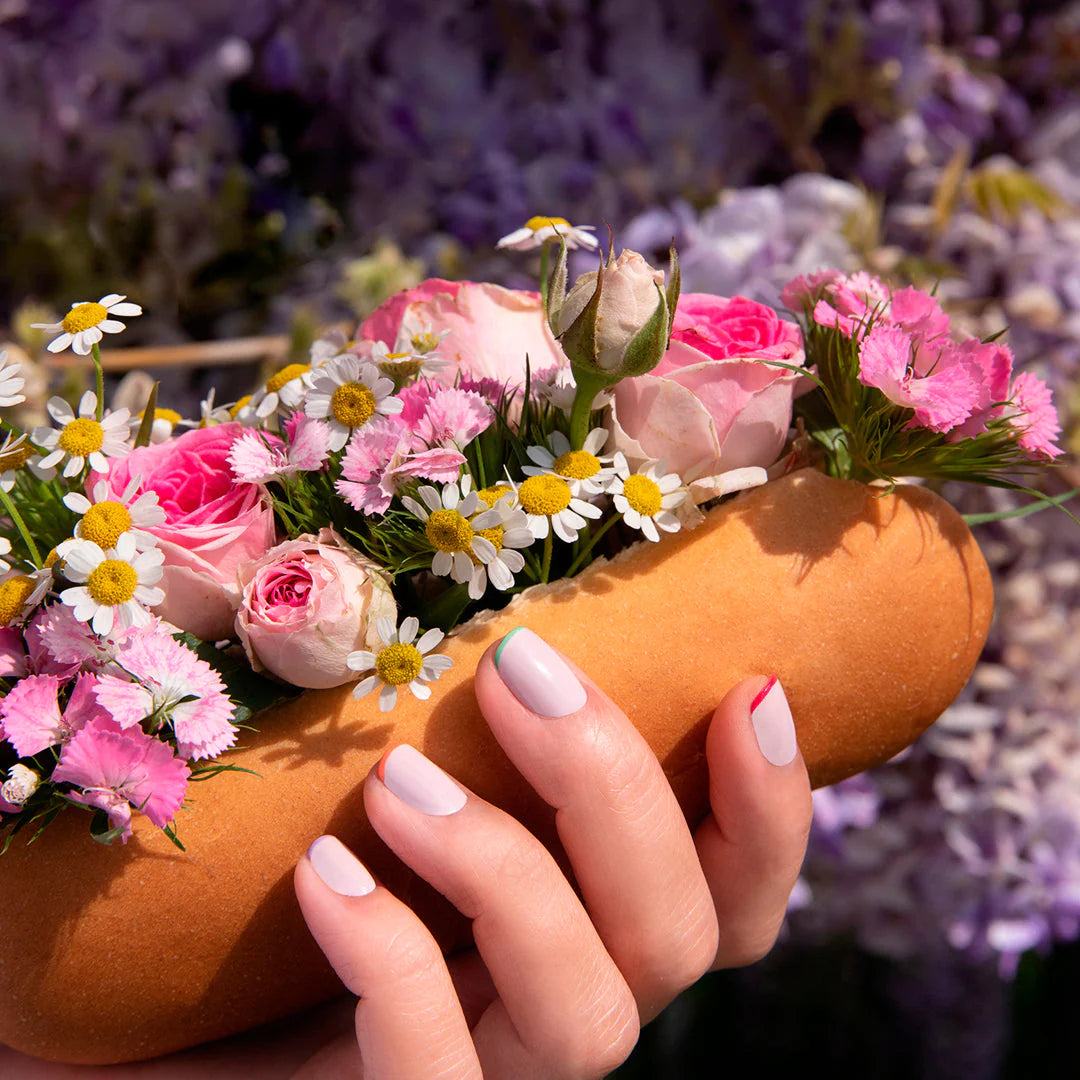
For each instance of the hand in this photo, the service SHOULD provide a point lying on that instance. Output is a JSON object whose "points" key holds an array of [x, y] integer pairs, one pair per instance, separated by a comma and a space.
{"points": [[559, 983]]}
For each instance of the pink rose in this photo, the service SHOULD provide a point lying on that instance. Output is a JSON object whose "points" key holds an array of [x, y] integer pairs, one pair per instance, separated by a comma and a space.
{"points": [[306, 605], [491, 329], [212, 524], [710, 406]]}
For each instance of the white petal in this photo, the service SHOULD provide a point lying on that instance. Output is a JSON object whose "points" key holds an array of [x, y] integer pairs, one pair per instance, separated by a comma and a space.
{"points": [[74, 466], [648, 528], [365, 686], [478, 583], [111, 326], [586, 509], [483, 549], [667, 522], [408, 630], [103, 620], [111, 299], [430, 497], [77, 502], [563, 530], [451, 496], [631, 517], [512, 560], [429, 640], [386, 628], [420, 690], [442, 564], [387, 698], [127, 310], [361, 660], [438, 663], [60, 344], [463, 568], [88, 404], [538, 525], [414, 507], [487, 520], [499, 575]]}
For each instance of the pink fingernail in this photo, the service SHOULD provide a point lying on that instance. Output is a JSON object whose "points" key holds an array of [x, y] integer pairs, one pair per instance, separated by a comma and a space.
{"points": [[537, 675], [419, 782], [770, 715], [339, 868]]}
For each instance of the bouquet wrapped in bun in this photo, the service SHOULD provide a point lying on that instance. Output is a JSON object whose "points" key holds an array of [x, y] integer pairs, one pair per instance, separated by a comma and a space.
{"points": [[211, 629]]}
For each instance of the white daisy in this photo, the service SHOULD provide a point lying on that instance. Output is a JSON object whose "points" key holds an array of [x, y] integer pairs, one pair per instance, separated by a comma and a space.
{"points": [[324, 349], [11, 382], [542, 230], [551, 506], [646, 498], [5, 549], [454, 523], [400, 662], [347, 392], [585, 472], [105, 519], [285, 388], [112, 587], [423, 339], [21, 593], [82, 438], [512, 531], [408, 363], [84, 325], [15, 452]]}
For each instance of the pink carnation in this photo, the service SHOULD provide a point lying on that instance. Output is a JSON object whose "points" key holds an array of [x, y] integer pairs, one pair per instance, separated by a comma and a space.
{"points": [[118, 770], [61, 645], [171, 681], [1031, 409], [31, 715], [257, 457], [12, 653], [941, 400]]}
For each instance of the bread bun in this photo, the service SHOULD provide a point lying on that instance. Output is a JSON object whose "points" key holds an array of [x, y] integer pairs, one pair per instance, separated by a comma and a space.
{"points": [[872, 608]]}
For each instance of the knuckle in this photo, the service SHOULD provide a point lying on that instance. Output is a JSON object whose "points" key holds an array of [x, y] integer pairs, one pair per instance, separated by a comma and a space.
{"points": [[603, 1038], [744, 949]]}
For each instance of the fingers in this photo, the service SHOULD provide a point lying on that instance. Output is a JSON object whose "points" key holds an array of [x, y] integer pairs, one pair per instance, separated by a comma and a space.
{"points": [[563, 1008], [752, 845], [408, 1021], [631, 850]]}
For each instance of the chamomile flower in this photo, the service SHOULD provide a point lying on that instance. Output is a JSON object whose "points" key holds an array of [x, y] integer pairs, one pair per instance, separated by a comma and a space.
{"points": [[399, 663], [646, 498], [114, 587], [455, 529], [285, 388], [161, 427], [15, 452], [538, 231], [410, 363], [585, 472], [424, 340], [11, 382], [5, 549], [86, 323], [551, 506], [104, 520], [347, 393], [20, 594], [511, 531], [82, 438]]}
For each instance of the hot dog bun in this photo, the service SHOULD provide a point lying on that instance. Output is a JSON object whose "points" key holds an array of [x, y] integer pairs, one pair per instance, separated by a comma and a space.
{"points": [[871, 608]]}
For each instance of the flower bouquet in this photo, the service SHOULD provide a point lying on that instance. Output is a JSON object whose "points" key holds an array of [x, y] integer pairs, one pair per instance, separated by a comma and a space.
{"points": [[212, 629]]}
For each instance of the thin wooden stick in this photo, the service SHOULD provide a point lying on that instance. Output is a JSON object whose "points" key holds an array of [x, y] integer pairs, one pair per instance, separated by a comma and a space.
{"points": [[195, 354]]}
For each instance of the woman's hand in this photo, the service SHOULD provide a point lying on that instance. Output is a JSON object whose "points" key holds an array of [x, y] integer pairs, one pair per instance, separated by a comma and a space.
{"points": [[560, 980]]}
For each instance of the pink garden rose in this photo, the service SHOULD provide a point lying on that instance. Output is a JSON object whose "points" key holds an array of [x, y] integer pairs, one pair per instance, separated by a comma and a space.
{"points": [[213, 523], [491, 329], [710, 406], [306, 605]]}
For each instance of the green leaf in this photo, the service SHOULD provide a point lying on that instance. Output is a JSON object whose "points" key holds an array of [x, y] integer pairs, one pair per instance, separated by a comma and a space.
{"points": [[556, 290], [674, 288], [646, 348], [149, 412], [579, 338], [1044, 502]]}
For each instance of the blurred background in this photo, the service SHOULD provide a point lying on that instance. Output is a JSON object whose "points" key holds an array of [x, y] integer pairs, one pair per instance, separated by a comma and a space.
{"points": [[252, 173]]}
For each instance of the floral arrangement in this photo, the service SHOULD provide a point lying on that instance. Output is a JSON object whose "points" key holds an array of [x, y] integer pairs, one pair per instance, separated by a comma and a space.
{"points": [[166, 578]]}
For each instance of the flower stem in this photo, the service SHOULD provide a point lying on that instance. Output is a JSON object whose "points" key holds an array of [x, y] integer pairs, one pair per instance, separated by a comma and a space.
{"points": [[583, 555], [588, 386], [545, 569], [99, 381], [17, 521], [543, 276]]}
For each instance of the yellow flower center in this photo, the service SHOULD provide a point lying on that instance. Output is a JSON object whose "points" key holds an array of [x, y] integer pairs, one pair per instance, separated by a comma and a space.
{"points": [[50, 559], [491, 495], [538, 223], [400, 365], [171, 416], [234, 412], [544, 495], [16, 458], [104, 522], [13, 595], [81, 437], [352, 405], [577, 464], [425, 343], [643, 495], [494, 534], [83, 317], [285, 375], [399, 664], [449, 531], [112, 582]]}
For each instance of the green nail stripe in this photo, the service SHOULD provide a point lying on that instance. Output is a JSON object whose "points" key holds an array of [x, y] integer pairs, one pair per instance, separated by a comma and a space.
{"points": [[502, 645]]}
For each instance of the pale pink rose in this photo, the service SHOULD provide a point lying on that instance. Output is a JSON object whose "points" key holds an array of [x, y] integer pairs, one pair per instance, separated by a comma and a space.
{"points": [[712, 405], [212, 524], [491, 329], [306, 605]]}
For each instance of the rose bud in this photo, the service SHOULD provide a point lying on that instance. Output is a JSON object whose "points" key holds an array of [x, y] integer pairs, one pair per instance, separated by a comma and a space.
{"points": [[308, 603], [614, 323]]}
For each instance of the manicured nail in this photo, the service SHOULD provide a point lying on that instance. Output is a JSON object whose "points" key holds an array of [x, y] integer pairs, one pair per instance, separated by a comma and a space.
{"points": [[773, 725], [537, 675], [339, 868], [419, 782]]}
